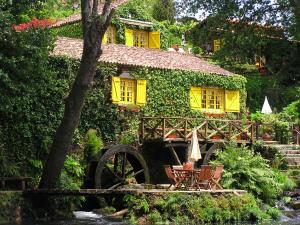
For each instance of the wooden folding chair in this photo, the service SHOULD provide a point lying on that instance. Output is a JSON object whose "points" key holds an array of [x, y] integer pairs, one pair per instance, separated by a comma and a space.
{"points": [[183, 178], [203, 177], [172, 178], [217, 177]]}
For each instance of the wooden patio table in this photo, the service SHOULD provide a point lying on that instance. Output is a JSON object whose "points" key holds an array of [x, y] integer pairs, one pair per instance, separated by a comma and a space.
{"points": [[186, 178]]}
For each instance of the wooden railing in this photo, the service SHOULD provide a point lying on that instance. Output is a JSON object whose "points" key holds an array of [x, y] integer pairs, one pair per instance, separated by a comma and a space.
{"points": [[180, 129]]}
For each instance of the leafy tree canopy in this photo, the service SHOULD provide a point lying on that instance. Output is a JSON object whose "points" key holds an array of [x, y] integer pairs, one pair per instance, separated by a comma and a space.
{"points": [[164, 10], [285, 13]]}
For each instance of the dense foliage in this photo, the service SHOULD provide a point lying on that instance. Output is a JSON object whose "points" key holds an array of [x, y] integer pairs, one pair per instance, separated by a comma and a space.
{"points": [[249, 30], [164, 10], [26, 78], [202, 209], [249, 171], [276, 124], [278, 12]]}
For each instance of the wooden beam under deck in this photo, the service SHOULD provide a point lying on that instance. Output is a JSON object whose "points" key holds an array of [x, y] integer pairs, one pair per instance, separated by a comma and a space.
{"points": [[101, 192]]}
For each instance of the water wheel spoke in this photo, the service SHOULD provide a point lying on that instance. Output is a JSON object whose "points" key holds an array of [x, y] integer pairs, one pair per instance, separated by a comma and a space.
{"points": [[138, 172], [124, 165], [119, 178], [116, 158], [116, 185], [134, 174]]}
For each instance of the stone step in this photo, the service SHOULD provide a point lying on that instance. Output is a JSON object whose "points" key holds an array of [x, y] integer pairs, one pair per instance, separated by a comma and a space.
{"points": [[293, 160], [292, 156], [294, 167], [287, 147], [290, 152], [271, 142]]}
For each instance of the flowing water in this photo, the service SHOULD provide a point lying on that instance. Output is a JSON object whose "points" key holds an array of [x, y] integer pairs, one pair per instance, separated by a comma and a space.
{"points": [[81, 218], [89, 218]]}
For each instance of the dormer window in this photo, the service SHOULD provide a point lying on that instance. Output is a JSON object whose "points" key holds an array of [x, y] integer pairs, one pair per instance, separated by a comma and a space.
{"points": [[141, 38]]}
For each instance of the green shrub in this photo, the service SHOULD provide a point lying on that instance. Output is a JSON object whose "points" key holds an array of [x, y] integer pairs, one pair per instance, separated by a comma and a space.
{"points": [[201, 209], [197, 50], [93, 144], [270, 153], [248, 171], [128, 138], [72, 174], [277, 124]]}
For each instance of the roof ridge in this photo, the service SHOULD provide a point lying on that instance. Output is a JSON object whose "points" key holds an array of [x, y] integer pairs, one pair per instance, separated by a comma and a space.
{"points": [[143, 57]]}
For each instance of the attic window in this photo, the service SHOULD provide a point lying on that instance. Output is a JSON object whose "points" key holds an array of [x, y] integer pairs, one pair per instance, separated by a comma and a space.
{"points": [[140, 38]]}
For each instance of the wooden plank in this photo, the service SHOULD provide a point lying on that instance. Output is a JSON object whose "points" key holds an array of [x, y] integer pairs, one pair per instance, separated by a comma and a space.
{"points": [[175, 156], [95, 192]]}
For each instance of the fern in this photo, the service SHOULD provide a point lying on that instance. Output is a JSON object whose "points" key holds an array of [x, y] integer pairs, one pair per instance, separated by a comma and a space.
{"points": [[249, 171]]}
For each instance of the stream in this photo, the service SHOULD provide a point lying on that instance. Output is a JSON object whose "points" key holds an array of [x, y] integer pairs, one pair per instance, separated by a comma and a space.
{"points": [[292, 217]]}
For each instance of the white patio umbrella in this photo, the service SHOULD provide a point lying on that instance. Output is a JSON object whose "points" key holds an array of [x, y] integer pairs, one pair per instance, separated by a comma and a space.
{"points": [[266, 109], [195, 149]]}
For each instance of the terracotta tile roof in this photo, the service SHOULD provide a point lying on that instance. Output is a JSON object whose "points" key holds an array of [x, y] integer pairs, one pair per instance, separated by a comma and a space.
{"points": [[77, 17], [133, 56]]}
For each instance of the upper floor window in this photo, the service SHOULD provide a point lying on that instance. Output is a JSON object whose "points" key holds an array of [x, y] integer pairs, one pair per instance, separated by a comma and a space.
{"points": [[128, 91], [214, 100], [217, 45], [110, 36], [141, 38]]}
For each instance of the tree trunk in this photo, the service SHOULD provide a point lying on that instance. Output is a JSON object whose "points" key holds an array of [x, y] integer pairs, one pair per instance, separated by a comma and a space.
{"points": [[73, 107], [94, 28]]}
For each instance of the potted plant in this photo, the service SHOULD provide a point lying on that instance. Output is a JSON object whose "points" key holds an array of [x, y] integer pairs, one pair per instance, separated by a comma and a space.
{"points": [[172, 135], [216, 137], [267, 133]]}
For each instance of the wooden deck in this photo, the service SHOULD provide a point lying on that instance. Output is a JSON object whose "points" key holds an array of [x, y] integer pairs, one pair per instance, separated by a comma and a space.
{"points": [[101, 192], [179, 129]]}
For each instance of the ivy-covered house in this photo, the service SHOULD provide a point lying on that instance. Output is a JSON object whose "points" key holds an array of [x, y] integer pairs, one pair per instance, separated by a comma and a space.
{"points": [[211, 37], [138, 78], [159, 82]]}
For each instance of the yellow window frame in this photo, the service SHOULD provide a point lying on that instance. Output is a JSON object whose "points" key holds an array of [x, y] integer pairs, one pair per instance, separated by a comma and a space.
{"points": [[110, 35], [140, 38], [127, 91], [217, 45], [212, 99]]}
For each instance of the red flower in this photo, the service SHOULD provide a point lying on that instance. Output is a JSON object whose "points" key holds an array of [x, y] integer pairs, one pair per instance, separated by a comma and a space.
{"points": [[35, 23]]}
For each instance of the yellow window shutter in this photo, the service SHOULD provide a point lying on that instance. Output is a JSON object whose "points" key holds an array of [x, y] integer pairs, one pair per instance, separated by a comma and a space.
{"points": [[154, 39], [114, 29], [141, 92], [195, 98], [128, 37], [232, 101], [115, 90], [217, 45], [104, 39]]}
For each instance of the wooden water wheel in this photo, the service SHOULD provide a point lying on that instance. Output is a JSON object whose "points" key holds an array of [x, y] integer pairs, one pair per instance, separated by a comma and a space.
{"points": [[121, 165]]}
